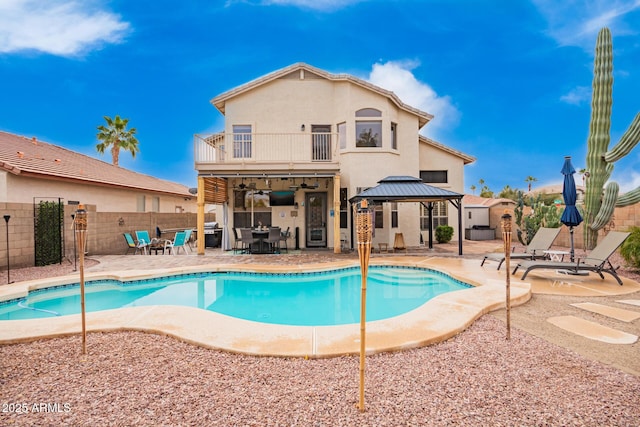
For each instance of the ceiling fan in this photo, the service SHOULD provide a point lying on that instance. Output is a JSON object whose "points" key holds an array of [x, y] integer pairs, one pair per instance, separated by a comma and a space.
{"points": [[243, 186], [310, 186]]}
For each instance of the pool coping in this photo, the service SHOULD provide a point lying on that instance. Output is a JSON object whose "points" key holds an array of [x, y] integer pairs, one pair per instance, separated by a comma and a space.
{"points": [[437, 320]]}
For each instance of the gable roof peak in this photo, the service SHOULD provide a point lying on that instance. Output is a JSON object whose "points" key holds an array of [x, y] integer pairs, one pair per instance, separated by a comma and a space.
{"points": [[220, 100]]}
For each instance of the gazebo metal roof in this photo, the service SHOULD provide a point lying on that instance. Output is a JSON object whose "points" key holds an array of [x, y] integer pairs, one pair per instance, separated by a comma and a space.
{"points": [[411, 189], [405, 189]]}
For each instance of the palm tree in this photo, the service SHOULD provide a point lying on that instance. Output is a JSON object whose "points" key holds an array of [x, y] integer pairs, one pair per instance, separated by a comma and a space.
{"points": [[530, 180], [116, 135], [473, 189]]}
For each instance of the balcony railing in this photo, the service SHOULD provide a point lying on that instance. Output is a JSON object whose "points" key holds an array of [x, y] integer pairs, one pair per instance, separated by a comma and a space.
{"points": [[228, 148]]}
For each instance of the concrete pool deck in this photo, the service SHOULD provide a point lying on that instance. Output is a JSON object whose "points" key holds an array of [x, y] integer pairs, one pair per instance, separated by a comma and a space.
{"points": [[437, 320]]}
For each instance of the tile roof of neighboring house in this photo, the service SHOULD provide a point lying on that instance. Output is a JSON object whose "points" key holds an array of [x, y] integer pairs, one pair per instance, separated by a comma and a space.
{"points": [[465, 157], [219, 101], [476, 201], [24, 156]]}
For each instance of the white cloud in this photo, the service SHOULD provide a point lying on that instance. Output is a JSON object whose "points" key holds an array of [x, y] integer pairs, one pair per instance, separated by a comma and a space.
{"points": [[577, 95], [630, 183], [576, 23], [57, 27], [324, 5], [397, 76]]}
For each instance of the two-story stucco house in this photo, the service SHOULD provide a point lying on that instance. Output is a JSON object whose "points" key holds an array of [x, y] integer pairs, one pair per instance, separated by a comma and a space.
{"points": [[298, 143]]}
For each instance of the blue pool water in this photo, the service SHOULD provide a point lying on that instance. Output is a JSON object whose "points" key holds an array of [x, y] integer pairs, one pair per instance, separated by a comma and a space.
{"points": [[311, 299]]}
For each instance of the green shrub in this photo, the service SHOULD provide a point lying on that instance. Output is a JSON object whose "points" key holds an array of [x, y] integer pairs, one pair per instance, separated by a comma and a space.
{"points": [[444, 233], [630, 249]]}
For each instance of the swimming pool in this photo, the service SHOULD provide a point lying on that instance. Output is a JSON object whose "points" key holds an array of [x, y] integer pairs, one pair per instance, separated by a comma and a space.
{"points": [[301, 299]]}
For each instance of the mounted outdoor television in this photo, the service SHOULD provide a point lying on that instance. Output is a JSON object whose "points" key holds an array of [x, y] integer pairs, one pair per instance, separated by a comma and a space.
{"points": [[282, 198]]}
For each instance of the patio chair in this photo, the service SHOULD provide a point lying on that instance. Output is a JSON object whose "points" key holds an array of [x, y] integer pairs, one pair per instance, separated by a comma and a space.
{"points": [[284, 236], [188, 232], [179, 241], [597, 261], [540, 243], [398, 243], [247, 239], [134, 246], [142, 236], [273, 240], [237, 242]]}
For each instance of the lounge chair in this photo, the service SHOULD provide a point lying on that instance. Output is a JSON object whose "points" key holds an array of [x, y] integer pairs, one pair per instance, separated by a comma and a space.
{"points": [[179, 241], [597, 261], [540, 243], [134, 246]]}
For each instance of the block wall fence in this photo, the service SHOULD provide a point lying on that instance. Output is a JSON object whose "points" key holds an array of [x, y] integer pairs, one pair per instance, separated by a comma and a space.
{"points": [[623, 219], [104, 233]]}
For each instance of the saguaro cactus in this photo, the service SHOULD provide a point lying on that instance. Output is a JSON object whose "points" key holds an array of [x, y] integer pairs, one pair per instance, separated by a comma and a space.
{"points": [[600, 200]]}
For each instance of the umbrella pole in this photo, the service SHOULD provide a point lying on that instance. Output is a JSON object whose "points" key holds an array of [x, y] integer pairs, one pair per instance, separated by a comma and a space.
{"points": [[572, 253]]}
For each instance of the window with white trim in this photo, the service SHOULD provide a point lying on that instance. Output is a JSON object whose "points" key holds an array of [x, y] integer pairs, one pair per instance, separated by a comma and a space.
{"points": [[342, 135], [394, 136], [368, 132], [440, 215], [242, 141]]}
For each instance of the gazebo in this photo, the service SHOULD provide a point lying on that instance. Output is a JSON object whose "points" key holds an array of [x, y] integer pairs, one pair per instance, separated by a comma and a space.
{"points": [[411, 189]]}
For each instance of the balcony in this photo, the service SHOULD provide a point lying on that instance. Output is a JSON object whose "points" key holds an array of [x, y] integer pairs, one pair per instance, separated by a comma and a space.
{"points": [[238, 153]]}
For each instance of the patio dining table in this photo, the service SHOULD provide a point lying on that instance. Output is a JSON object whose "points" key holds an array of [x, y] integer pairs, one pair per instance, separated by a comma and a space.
{"points": [[262, 247]]}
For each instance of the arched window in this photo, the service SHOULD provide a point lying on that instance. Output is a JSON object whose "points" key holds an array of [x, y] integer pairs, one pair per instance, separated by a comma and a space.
{"points": [[368, 112]]}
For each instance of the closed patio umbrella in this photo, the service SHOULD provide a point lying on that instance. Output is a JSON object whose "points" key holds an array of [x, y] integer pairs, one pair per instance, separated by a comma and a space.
{"points": [[570, 217]]}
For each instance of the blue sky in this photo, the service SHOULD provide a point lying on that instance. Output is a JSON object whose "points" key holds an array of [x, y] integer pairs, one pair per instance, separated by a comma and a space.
{"points": [[508, 81]]}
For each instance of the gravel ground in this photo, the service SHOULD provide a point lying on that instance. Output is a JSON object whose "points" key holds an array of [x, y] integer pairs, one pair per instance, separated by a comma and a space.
{"points": [[477, 378], [474, 379]]}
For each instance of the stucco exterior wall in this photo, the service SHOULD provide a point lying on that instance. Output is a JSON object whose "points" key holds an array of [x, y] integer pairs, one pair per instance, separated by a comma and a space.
{"points": [[19, 189], [285, 104]]}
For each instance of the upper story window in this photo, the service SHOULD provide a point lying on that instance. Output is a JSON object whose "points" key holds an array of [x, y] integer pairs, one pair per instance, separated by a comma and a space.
{"points": [[342, 135], [394, 136], [368, 132], [241, 141], [434, 177]]}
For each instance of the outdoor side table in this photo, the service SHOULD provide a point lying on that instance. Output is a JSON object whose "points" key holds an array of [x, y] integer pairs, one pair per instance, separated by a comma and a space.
{"points": [[556, 255]]}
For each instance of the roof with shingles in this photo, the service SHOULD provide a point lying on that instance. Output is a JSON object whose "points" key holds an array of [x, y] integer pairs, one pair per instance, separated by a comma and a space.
{"points": [[405, 188], [20, 155]]}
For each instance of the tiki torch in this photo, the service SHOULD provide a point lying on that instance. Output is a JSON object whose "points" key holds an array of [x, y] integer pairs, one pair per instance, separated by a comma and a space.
{"points": [[363, 230], [81, 232], [506, 237]]}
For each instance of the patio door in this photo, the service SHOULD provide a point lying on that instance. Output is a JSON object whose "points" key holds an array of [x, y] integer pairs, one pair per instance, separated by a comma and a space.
{"points": [[316, 219]]}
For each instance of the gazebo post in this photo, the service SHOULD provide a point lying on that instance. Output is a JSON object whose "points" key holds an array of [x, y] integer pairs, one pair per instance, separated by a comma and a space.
{"points": [[459, 206]]}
